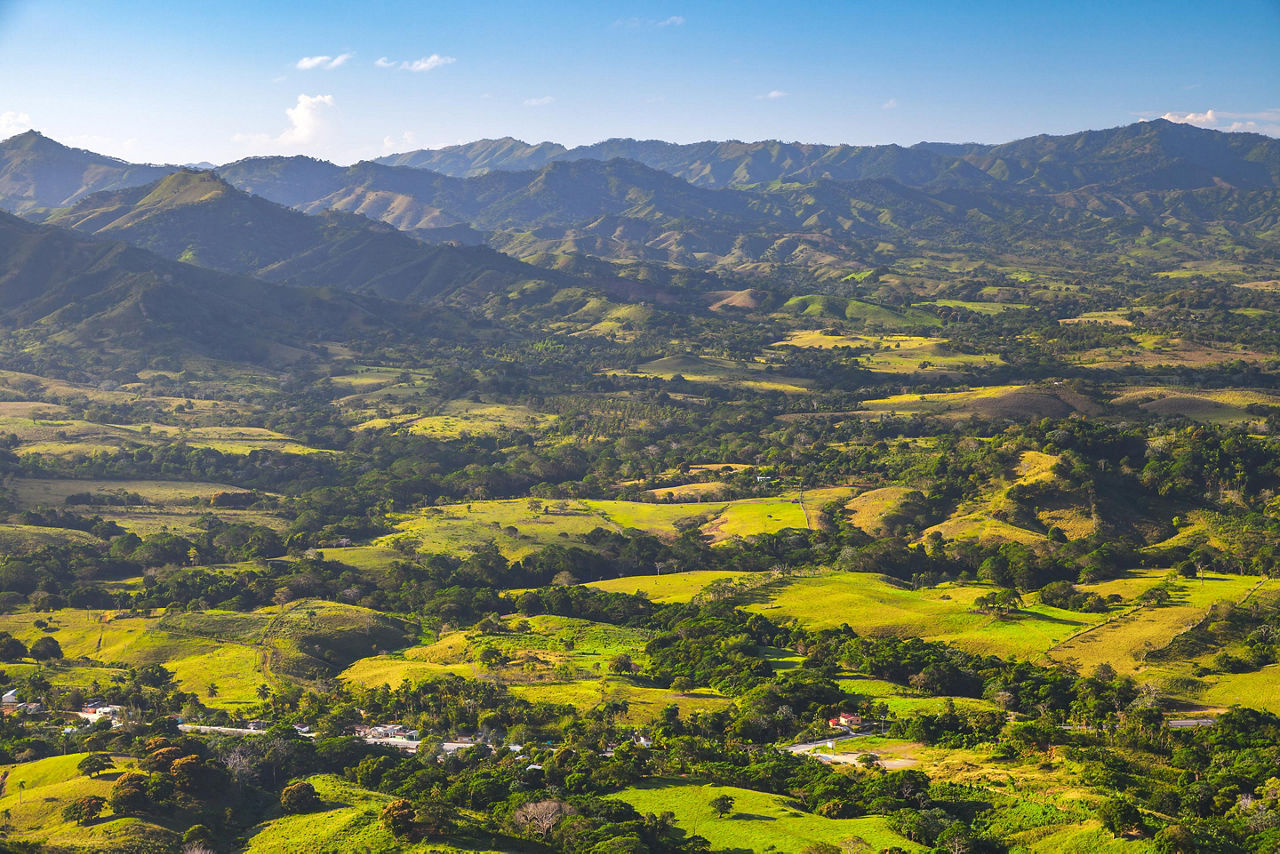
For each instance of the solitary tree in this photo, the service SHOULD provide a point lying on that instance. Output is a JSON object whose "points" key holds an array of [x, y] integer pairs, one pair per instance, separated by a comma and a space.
{"points": [[94, 764], [722, 804]]}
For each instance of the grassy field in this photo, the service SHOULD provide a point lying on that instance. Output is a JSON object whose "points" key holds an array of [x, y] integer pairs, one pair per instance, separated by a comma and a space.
{"points": [[1124, 640], [464, 416], [869, 510], [678, 587], [520, 526], [35, 792], [901, 701], [873, 605], [894, 354], [232, 651], [814, 305], [1211, 406], [349, 820], [999, 401], [758, 821], [708, 369]]}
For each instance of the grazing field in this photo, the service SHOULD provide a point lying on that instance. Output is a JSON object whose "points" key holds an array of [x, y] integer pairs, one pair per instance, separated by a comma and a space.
{"points": [[677, 587], [457, 417], [33, 492], [902, 701], [708, 369], [32, 795], [874, 316], [873, 509], [1211, 406], [223, 656], [518, 527], [1124, 640], [349, 819], [897, 354], [998, 401], [875, 605], [977, 306], [758, 821]]}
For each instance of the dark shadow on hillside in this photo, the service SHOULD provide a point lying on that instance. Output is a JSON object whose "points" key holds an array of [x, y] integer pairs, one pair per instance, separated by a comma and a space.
{"points": [[1019, 616], [747, 816]]}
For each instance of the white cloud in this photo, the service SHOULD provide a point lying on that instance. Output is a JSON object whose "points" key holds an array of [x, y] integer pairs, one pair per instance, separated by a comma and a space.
{"points": [[772, 96], [647, 23], [326, 62], [426, 63], [1263, 121], [891, 104], [306, 124], [13, 122], [403, 142], [538, 102]]}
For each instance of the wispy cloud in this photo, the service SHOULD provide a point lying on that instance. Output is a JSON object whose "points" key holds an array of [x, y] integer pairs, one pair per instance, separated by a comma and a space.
{"points": [[538, 102], [1263, 121], [891, 104], [306, 124], [772, 95], [426, 63], [403, 142], [650, 23], [13, 122], [307, 63]]}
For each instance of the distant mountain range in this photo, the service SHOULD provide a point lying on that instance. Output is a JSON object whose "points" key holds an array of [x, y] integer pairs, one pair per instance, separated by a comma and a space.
{"points": [[499, 226], [1154, 155], [728, 206]]}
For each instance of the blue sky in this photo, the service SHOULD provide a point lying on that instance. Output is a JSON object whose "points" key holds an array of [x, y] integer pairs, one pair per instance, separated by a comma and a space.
{"points": [[188, 81]]}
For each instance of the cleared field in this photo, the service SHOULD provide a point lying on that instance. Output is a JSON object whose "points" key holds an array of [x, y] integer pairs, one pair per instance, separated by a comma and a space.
{"points": [[895, 354], [816, 305], [465, 416], [1148, 349], [1001, 401], [870, 510], [901, 701], [707, 369], [1104, 318], [1124, 640], [758, 821], [35, 792], [519, 526], [196, 663], [687, 490], [679, 587], [873, 605], [230, 651], [32, 492], [349, 820], [1211, 406], [975, 305]]}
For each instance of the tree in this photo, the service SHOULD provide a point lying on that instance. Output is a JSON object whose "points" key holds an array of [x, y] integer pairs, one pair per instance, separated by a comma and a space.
{"points": [[45, 649], [620, 664], [128, 794], [1120, 817], [11, 649], [398, 817], [722, 804], [84, 810], [541, 817], [299, 798], [95, 764]]}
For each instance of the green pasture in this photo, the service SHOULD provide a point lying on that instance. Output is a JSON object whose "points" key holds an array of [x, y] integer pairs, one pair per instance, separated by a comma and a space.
{"points": [[758, 821], [708, 369], [676, 587], [1124, 639], [349, 819], [874, 605]]}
